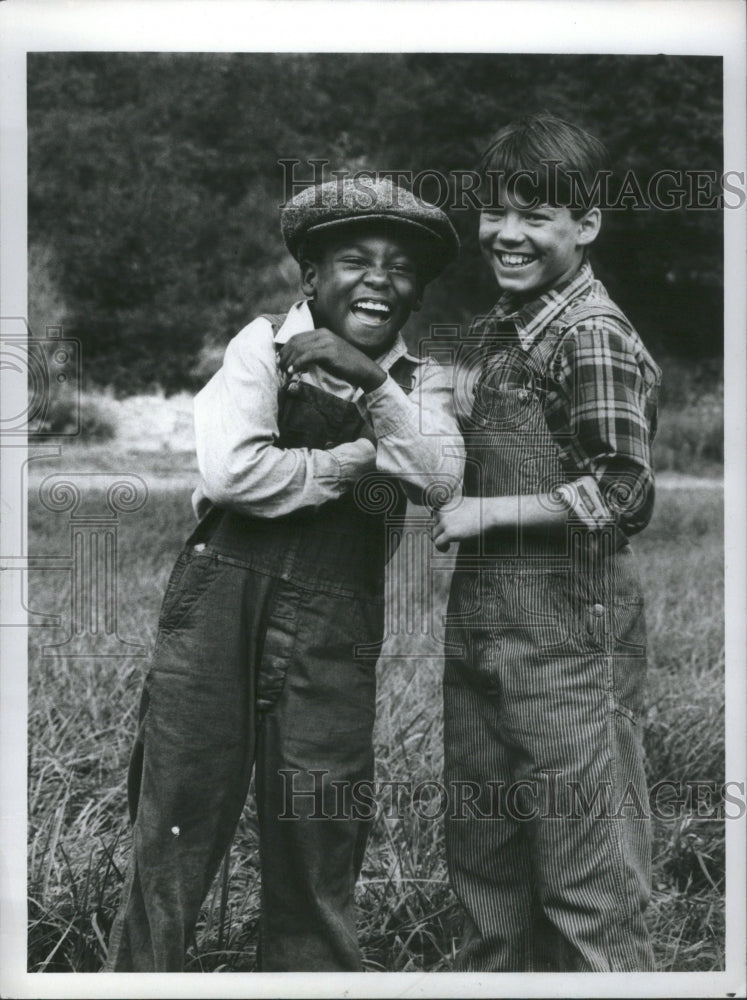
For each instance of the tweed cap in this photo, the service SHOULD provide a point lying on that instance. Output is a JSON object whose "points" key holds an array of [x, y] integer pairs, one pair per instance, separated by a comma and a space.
{"points": [[323, 207]]}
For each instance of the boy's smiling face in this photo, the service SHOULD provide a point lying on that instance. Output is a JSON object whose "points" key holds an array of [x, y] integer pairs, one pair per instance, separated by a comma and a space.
{"points": [[364, 284], [533, 249]]}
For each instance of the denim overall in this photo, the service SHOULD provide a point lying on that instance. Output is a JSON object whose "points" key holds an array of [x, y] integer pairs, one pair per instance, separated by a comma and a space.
{"points": [[540, 715], [257, 667]]}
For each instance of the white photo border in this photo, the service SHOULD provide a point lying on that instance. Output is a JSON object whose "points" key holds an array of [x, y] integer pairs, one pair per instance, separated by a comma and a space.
{"points": [[685, 27]]}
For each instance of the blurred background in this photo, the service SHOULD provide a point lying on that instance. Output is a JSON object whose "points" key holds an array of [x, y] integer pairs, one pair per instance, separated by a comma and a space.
{"points": [[155, 188]]}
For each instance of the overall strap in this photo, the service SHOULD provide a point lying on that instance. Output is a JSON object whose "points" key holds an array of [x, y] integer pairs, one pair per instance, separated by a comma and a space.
{"points": [[543, 361], [586, 309], [403, 372], [589, 308]]}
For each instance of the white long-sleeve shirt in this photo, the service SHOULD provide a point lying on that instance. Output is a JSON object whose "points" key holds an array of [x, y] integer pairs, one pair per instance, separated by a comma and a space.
{"points": [[236, 429]]}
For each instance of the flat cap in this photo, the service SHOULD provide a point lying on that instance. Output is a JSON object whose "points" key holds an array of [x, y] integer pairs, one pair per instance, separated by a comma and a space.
{"points": [[323, 207]]}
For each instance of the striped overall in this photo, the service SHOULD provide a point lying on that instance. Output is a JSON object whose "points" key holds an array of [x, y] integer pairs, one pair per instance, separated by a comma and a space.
{"points": [[551, 856], [264, 661]]}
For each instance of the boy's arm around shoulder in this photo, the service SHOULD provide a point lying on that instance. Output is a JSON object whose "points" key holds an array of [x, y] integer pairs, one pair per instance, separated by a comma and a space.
{"points": [[236, 429], [611, 387], [417, 434]]}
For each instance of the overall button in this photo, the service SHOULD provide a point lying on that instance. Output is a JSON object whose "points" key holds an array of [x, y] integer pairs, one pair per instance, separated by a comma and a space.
{"points": [[329, 444], [598, 610], [523, 395], [200, 547], [293, 386]]}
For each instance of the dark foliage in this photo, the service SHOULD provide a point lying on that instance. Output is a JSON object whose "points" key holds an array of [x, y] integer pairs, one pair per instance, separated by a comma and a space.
{"points": [[154, 183]]}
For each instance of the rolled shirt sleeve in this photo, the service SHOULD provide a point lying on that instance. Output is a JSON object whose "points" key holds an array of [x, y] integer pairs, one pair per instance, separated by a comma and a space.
{"points": [[611, 396], [236, 428]]}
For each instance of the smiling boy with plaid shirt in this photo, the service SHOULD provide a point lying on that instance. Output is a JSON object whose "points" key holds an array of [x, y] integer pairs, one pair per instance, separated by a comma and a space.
{"points": [[544, 690]]}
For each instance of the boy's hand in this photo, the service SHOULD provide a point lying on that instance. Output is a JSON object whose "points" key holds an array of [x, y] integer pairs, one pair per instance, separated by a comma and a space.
{"points": [[464, 521], [333, 354]]}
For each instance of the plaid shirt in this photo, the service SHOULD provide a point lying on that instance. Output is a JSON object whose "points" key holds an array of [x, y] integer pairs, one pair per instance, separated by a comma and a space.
{"points": [[598, 383]]}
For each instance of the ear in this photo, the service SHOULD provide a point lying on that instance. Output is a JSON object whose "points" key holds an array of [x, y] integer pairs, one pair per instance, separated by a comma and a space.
{"points": [[588, 226], [309, 273]]}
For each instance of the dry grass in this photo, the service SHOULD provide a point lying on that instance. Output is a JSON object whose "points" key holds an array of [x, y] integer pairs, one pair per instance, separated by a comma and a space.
{"points": [[82, 720]]}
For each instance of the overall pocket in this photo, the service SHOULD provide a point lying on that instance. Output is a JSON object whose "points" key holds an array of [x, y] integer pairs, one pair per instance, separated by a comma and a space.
{"points": [[193, 572]]}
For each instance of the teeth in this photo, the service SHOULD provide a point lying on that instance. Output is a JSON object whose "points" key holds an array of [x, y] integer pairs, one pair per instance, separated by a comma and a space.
{"points": [[380, 307], [515, 259]]}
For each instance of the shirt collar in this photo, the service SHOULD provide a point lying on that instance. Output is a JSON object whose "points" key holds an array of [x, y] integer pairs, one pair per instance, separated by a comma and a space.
{"points": [[299, 320], [533, 317]]}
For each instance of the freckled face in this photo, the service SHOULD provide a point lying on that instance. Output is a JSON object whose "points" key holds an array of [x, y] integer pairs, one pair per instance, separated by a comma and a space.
{"points": [[363, 288], [531, 250]]}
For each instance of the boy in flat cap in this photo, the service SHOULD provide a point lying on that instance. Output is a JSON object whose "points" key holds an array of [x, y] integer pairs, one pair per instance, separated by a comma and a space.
{"points": [[317, 425]]}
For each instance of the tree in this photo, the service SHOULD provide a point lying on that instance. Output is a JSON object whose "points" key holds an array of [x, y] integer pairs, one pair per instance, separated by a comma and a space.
{"points": [[155, 184]]}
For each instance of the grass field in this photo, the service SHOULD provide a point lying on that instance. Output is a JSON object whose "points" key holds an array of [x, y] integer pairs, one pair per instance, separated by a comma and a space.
{"points": [[82, 718]]}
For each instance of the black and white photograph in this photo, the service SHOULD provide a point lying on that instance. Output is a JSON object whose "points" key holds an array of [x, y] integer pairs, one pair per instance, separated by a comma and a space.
{"points": [[373, 472]]}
